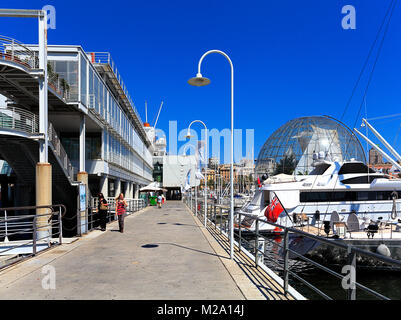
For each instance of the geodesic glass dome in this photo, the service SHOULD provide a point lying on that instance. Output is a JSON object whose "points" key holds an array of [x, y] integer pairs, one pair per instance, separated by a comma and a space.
{"points": [[291, 147]]}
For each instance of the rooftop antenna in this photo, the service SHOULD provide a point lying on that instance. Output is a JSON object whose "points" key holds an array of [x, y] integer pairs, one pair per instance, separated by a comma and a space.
{"points": [[146, 124], [146, 111], [161, 105]]}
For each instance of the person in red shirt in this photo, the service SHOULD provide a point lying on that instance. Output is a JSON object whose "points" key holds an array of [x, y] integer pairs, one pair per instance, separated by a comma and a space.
{"points": [[121, 208]]}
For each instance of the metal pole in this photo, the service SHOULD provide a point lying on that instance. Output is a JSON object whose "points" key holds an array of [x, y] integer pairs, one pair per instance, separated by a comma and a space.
{"points": [[206, 155], [239, 232], [60, 226], [256, 242], [286, 261], [34, 235], [43, 91], [231, 147], [6, 225]]}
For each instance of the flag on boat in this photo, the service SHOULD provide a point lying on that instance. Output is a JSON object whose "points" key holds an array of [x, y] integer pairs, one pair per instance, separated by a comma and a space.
{"points": [[259, 184], [273, 210]]}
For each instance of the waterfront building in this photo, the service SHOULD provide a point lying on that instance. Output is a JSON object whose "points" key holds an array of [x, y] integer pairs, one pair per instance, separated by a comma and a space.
{"points": [[95, 134]]}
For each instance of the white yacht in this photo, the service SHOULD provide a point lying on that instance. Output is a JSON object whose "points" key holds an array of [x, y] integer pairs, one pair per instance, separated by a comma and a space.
{"points": [[346, 191]]}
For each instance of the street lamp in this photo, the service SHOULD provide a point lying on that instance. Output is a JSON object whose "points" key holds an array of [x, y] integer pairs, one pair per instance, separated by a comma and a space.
{"points": [[206, 153], [200, 81]]}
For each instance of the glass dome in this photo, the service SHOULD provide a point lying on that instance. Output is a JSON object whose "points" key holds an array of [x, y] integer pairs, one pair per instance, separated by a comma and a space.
{"points": [[291, 147]]}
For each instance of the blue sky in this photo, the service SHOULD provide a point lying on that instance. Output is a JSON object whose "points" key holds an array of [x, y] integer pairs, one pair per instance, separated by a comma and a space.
{"points": [[291, 58]]}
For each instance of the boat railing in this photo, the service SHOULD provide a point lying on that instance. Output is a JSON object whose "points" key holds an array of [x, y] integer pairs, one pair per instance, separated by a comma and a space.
{"points": [[218, 220]]}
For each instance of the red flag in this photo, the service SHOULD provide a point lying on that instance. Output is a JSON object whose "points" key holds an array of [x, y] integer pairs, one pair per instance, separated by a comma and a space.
{"points": [[259, 184], [273, 210]]}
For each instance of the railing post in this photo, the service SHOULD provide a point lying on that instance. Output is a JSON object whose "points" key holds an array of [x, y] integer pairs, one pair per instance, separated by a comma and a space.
{"points": [[34, 237], [351, 291], [239, 232], [214, 213], [286, 260], [60, 226], [256, 242], [6, 226], [221, 220]]}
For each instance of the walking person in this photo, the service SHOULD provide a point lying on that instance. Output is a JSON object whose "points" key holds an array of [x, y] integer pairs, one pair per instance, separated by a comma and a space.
{"points": [[159, 201], [121, 206], [102, 210]]}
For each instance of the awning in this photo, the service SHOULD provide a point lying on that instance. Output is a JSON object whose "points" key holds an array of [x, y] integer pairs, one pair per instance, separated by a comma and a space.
{"points": [[151, 187]]}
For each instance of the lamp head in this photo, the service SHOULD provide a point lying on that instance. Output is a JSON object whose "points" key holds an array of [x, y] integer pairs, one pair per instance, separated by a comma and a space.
{"points": [[199, 81], [188, 136]]}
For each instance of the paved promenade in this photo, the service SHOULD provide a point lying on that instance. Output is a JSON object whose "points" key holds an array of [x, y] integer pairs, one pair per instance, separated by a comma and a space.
{"points": [[163, 254]]}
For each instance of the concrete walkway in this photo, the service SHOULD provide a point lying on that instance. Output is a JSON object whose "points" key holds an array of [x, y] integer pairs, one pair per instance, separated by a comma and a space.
{"points": [[162, 254]]}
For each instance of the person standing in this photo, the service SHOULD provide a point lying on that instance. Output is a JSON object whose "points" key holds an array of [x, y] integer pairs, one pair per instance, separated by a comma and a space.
{"points": [[121, 206], [102, 209]]}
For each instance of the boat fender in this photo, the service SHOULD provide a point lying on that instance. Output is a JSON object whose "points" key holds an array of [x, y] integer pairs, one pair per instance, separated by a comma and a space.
{"points": [[383, 250]]}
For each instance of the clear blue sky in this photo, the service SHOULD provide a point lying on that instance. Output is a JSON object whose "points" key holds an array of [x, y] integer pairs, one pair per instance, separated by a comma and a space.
{"points": [[291, 58]]}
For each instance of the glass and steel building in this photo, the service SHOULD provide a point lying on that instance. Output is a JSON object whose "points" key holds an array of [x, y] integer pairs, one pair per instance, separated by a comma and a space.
{"points": [[291, 147], [118, 153]]}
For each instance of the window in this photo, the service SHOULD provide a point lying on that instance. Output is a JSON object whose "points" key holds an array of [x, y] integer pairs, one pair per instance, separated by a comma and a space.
{"points": [[341, 196], [83, 80], [363, 179], [320, 169], [355, 167]]}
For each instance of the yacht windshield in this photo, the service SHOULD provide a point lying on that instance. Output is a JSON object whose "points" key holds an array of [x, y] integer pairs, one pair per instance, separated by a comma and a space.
{"points": [[355, 167], [320, 169]]}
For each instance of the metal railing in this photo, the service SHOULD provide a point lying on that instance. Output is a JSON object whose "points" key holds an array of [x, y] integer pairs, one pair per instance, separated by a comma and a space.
{"points": [[24, 121], [93, 217], [60, 152], [56, 83], [15, 51], [105, 58], [216, 218], [18, 119], [25, 227]]}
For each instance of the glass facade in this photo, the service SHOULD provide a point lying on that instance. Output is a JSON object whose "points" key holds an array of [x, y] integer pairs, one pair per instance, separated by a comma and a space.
{"points": [[93, 146], [117, 142], [290, 148], [67, 70]]}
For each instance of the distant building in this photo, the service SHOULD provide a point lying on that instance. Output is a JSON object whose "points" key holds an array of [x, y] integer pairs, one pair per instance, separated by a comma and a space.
{"points": [[375, 157]]}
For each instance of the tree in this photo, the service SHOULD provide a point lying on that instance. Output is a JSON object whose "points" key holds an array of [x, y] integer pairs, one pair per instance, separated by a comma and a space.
{"points": [[286, 165]]}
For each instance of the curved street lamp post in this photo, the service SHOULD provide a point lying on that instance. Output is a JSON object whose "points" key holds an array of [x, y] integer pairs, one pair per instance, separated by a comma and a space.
{"points": [[200, 81], [206, 154]]}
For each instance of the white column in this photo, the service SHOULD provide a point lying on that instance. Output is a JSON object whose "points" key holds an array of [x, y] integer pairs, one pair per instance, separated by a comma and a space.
{"points": [[43, 91], [117, 187], [104, 186], [82, 135]]}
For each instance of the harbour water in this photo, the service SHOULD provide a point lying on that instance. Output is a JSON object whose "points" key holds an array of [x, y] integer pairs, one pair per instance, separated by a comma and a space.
{"points": [[385, 282]]}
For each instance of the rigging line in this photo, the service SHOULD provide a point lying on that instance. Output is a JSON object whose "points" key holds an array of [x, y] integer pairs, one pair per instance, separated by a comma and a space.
{"points": [[385, 117], [373, 69], [366, 61], [389, 10], [392, 6], [375, 64]]}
